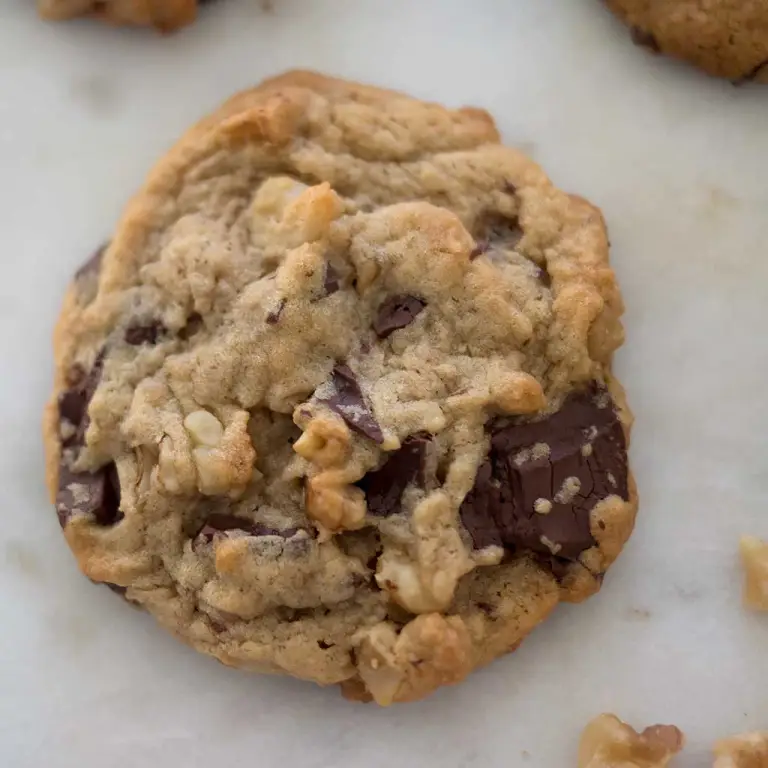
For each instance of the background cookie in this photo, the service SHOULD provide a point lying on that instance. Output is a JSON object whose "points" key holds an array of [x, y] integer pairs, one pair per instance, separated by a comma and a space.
{"points": [[336, 401], [728, 38], [165, 15]]}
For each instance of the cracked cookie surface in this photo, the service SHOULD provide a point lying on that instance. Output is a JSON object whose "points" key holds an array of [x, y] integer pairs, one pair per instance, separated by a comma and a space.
{"points": [[164, 15], [726, 38], [336, 400]]}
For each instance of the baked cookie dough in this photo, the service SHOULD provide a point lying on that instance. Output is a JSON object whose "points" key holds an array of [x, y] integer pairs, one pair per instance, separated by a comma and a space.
{"points": [[336, 401], [164, 15], [727, 38]]}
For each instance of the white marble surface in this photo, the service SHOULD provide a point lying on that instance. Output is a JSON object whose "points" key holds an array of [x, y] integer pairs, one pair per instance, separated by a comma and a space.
{"points": [[678, 162]]}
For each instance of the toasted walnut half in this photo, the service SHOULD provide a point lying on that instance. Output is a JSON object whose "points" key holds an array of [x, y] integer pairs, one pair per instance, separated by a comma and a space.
{"points": [[607, 742]]}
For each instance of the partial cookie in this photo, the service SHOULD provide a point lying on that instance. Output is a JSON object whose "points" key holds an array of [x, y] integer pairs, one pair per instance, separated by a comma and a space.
{"points": [[164, 15], [748, 750], [727, 38], [754, 558], [337, 399], [607, 742]]}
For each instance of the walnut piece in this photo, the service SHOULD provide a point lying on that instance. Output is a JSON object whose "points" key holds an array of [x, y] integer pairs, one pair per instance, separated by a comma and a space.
{"points": [[334, 504], [607, 742], [748, 750], [754, 557], [430, 651], [324, 442]]}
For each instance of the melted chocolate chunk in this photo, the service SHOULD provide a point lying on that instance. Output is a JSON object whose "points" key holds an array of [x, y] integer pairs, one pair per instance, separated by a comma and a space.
{"points": [[541, 479], [331, 280], [349, 403], [384, 487], [137, 334], [644, 39], [89, 493], [397, 312], [222, 522], [273, 316], [92, 267]]}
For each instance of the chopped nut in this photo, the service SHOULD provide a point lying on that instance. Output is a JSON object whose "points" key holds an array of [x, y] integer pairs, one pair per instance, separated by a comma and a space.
{"points": [[430, 651], [333, 504], [422, 576], [325, 442], [312, 212], [748, 750], [204, 428], [754, 557], [607, 742], [542, 506]]}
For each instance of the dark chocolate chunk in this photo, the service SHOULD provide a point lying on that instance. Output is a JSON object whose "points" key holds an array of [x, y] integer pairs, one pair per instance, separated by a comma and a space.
{"points": [[273, 316], [530, 497], [222, 522], [73, 403], [144, 333], [92, 493], [384, 486], [89, 493], [92, 267], [331, 279], [349, 403], [498, 231], [644, 39], [397, 312]]}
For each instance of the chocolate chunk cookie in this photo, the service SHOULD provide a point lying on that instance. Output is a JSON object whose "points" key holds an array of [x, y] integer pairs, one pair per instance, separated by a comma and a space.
{"points": [[164, 15], [727, 38], [336, 400]]}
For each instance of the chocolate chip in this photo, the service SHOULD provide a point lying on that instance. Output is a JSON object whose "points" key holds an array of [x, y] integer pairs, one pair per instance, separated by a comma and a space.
{"points": [[541, 480], [384, 487], [510, 188], [644, 39], [331, 279], [349, 403], [89, 493], [222, 522], [273, 316], [397, 312], [144, 333], [92, 267], [498, 231]]}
